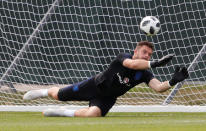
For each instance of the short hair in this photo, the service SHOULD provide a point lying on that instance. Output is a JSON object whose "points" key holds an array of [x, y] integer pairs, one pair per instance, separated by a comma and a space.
{"points": [[146, 43]]}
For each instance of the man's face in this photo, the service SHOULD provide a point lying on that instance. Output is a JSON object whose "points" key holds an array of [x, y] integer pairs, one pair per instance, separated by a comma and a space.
{"points": [[143, 52]]}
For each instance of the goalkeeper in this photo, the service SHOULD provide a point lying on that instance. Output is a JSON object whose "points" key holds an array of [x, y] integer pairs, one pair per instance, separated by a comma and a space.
{"points": [[102, 90]]}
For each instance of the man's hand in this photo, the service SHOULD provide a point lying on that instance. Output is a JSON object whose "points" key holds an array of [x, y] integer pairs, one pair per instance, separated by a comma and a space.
{"points": [[179, 75], [163, 61]]}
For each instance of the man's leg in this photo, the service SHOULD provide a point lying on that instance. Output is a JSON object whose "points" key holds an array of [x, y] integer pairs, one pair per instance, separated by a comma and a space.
{"points": [[84, 90], [93, 111], [97, 107], [35, 94]]}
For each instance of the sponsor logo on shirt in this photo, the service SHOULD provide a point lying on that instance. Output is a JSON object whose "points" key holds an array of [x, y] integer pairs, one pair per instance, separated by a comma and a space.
{"points": [[124, 80]]}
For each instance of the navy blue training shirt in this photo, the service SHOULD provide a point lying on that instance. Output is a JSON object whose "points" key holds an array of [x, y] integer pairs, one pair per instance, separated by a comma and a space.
{"points": [[117, 79]]}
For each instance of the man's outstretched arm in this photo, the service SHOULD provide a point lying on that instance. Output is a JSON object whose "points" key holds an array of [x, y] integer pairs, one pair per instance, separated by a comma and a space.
{"points": [[141, 64], [179, 75]]}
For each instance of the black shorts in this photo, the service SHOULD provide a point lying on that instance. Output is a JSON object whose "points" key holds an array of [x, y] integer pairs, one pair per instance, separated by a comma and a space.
{"points": [[104, 103], [82, 91], [87, 91]]}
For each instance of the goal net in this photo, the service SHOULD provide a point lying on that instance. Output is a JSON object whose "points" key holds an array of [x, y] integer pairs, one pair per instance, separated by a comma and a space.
{"points": [[55, 43]]}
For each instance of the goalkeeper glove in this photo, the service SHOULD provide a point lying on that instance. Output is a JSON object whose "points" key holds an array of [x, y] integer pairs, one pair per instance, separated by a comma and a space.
{"points": [[163, 61], [179, 75]]}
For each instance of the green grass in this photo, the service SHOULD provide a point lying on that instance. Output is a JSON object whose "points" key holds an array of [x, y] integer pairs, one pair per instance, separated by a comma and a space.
{"points": [[34, 121]]}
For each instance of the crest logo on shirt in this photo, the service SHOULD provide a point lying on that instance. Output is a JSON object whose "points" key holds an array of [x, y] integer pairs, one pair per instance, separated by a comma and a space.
{"points": [[126, 80]]}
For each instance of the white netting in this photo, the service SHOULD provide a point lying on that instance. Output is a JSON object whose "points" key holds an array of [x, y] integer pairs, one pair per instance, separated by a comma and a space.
{"points": [[60, 42]]}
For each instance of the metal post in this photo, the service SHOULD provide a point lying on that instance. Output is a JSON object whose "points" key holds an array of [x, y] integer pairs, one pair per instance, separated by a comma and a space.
{"points": [[30, 40], [190, 68]]}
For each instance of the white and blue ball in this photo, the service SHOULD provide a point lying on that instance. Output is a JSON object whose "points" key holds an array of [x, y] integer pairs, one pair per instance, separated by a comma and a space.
{"points": [[150, 25]]}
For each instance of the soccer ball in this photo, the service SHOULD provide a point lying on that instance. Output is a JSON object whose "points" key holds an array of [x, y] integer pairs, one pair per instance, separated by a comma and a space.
{"points": [[150, 25]]}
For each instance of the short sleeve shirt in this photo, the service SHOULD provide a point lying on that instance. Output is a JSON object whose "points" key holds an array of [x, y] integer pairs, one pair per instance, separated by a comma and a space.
{"points": [[117, 79]]}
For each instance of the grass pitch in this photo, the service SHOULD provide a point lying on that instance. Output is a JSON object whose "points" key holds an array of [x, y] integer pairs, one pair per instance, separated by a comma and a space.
{"points": [[34, 121]]}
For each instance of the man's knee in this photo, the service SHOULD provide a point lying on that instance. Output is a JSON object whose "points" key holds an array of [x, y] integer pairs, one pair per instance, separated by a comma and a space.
{"points": [[93, 111], [53, 92]]}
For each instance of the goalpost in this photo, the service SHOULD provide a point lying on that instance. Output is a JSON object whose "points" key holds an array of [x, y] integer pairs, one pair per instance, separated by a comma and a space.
{"points": [[53, 43]]}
